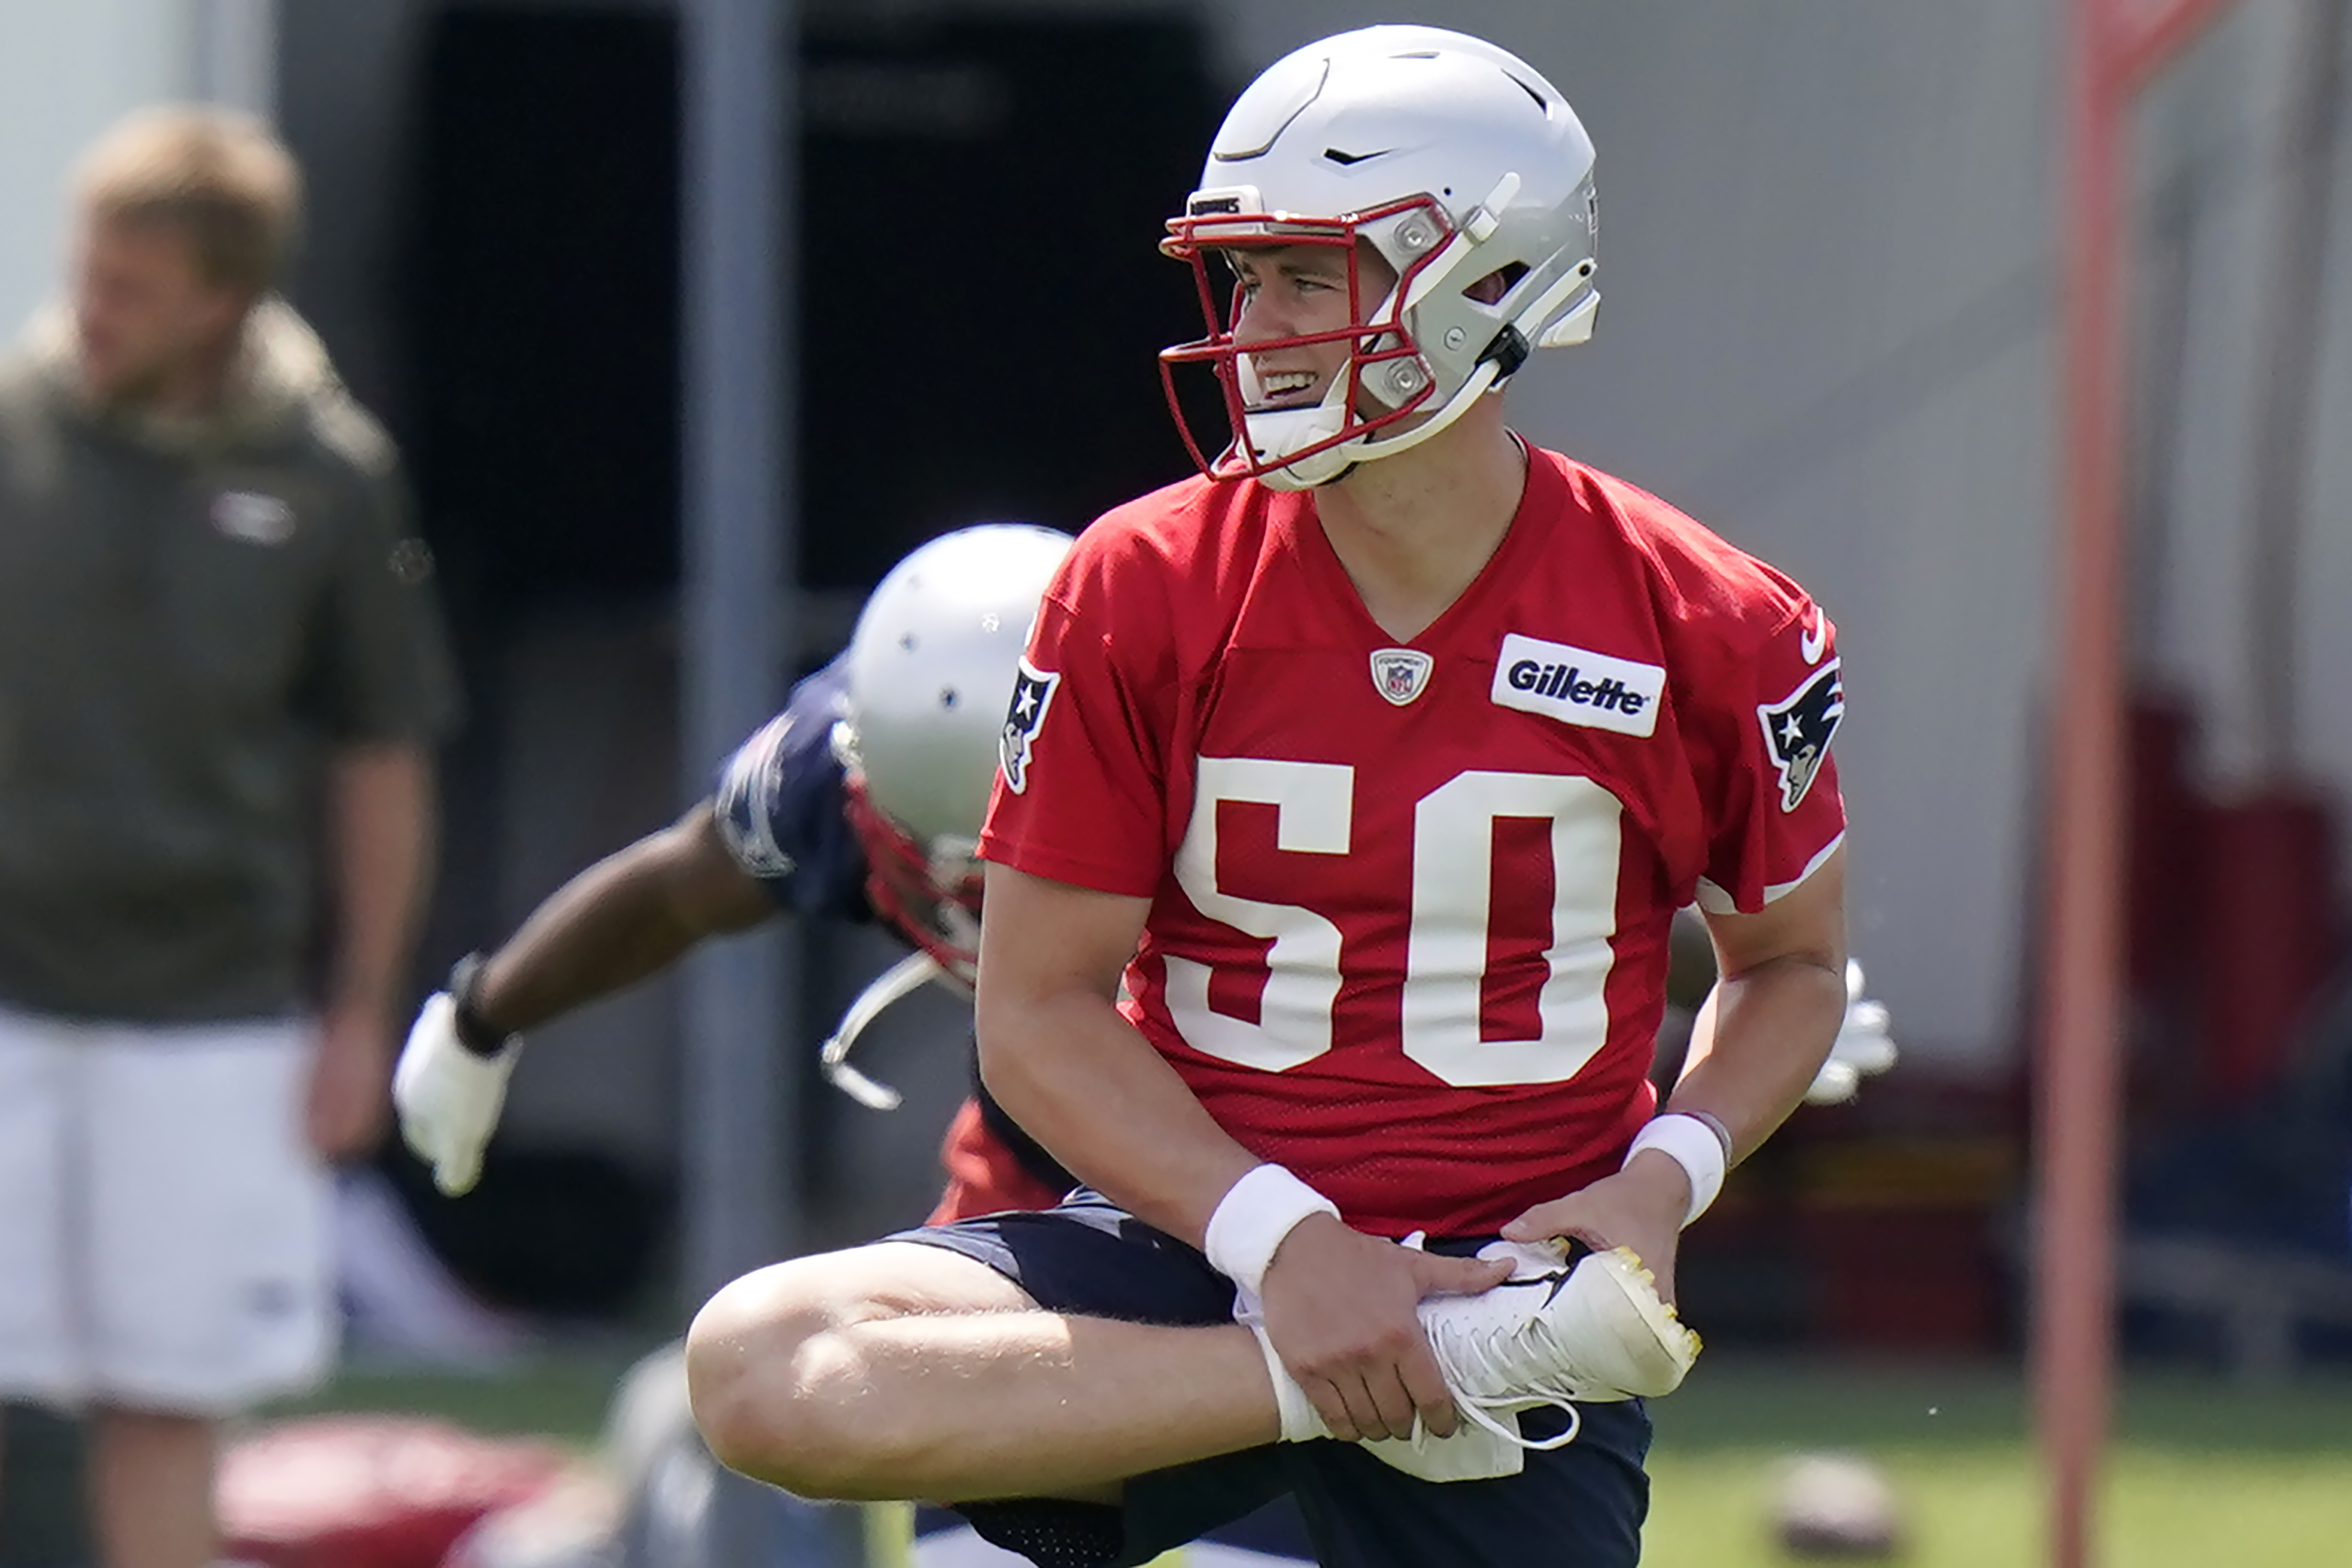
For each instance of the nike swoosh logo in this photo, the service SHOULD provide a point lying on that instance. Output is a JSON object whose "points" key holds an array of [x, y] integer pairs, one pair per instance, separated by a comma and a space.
{"points": [[1557, 1278], [1815, 640]]}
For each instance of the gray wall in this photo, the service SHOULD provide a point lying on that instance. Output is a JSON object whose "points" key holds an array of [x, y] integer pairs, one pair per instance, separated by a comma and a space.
{"points": [[65, 73]]}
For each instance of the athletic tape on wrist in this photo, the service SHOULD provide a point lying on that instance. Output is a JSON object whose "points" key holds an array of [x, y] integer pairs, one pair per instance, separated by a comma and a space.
{"points": [[1693, 1144], [473, 1031], [1252, 1217]]}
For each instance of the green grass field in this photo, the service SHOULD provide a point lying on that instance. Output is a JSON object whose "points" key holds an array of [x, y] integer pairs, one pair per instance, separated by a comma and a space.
{"points": [[2204, 1474]]}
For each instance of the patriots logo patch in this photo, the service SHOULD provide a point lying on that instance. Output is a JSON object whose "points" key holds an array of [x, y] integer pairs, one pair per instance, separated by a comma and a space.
{"points": [[1032, 693], [1798, 728]]}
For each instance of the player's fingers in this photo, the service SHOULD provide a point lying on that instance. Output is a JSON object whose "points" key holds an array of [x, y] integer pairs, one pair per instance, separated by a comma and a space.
{"points": [[1545, 1221], [1565, 1219], [1332, 1403], [1365, 1404], [1391, 1400], [1440, 1276], [1425, 1386]]}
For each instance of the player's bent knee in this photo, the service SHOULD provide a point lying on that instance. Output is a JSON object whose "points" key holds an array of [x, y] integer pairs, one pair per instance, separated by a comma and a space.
{"points": [[742, 1356], [781, 1391]]}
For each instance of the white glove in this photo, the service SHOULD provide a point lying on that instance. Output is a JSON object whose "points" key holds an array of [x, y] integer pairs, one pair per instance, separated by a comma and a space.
{"points": [[447, 1097], [1865, 1046]]}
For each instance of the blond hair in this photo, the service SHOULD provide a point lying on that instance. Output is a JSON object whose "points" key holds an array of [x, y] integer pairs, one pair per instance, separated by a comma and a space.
{"points": [[215, 174]]}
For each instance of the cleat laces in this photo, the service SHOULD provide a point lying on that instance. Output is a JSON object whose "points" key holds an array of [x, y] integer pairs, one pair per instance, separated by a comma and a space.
{"points": [[1525, 1357]]}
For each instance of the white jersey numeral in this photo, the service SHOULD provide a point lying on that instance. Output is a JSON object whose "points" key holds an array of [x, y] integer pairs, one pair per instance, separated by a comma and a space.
{"points": [[1451, 900], [1453, 904], [1313, 813]]}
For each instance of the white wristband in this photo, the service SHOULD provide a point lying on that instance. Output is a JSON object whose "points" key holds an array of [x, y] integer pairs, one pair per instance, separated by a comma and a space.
{"points": [[1252, 1217], [1692, 1144]]}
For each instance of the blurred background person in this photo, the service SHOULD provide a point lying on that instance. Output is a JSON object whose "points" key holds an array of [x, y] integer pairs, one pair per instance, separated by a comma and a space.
{"points": [[221, 671]]}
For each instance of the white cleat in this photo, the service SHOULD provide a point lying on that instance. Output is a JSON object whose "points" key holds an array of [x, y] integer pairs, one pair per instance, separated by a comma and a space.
{"points": [[1548, 1335]]}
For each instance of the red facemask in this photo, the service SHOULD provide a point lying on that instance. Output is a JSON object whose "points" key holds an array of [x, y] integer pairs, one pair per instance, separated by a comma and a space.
{"points": [[905, 888], [1372, 344]]}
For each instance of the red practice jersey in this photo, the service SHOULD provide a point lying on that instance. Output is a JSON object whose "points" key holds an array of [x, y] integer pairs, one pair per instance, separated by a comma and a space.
{"points": [[1410, 901]]}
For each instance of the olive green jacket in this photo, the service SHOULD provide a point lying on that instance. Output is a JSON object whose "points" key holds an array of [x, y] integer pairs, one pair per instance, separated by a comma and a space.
{"points": [[192, 612]]}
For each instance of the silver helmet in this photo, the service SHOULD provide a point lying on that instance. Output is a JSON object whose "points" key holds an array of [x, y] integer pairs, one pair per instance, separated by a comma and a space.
{"points": [[1458, 164], [931, 671]]}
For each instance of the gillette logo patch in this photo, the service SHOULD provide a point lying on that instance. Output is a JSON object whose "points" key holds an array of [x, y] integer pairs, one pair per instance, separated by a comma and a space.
{"points": [[1577, 686]]}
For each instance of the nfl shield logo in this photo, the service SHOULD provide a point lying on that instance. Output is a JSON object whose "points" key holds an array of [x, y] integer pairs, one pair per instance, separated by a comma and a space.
{"points": [[1401, 674]]}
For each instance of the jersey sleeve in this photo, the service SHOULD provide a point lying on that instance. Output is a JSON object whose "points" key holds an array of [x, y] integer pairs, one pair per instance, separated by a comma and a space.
{"points": [[781, 808], [1775, 815], [1080, 784]]}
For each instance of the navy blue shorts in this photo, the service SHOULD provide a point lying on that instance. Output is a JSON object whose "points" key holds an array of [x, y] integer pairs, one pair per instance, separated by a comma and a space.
{"points": [[1581, 1506]]}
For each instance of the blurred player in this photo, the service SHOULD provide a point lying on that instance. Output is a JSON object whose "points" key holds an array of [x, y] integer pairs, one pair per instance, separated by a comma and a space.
{"points": [[862, 798], [865, 794], [1396, 743]]}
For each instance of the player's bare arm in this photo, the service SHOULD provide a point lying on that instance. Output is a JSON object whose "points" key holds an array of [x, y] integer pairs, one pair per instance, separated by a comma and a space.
{"points": [[380, 812], [630, 915], [1761, 1036], [1059, 1056], [1767, 1026]]}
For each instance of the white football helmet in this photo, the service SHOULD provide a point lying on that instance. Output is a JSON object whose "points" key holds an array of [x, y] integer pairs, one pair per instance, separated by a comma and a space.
{"points": [[1453, 159], [931, 669]]}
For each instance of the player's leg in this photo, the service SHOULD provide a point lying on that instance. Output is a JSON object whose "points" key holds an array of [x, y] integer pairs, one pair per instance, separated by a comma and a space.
{"points": [[39, 1354], [906, 1370], [151, 1487], [208, 1265]]}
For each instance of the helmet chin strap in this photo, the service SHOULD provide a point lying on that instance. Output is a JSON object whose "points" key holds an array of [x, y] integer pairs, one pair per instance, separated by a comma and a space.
{"points": [[909, 975], [1291, 428], [1334, 463]]}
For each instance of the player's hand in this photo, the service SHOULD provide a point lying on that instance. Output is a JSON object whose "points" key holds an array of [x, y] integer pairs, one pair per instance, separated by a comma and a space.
{"points": [[1865, 1046], [344, 1106], [447, 1097], [1339, 1311], [1641, 1207]]}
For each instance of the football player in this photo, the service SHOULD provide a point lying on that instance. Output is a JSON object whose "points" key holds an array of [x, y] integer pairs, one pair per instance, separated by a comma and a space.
{"points": [[1346, 798], [864, 793]]}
